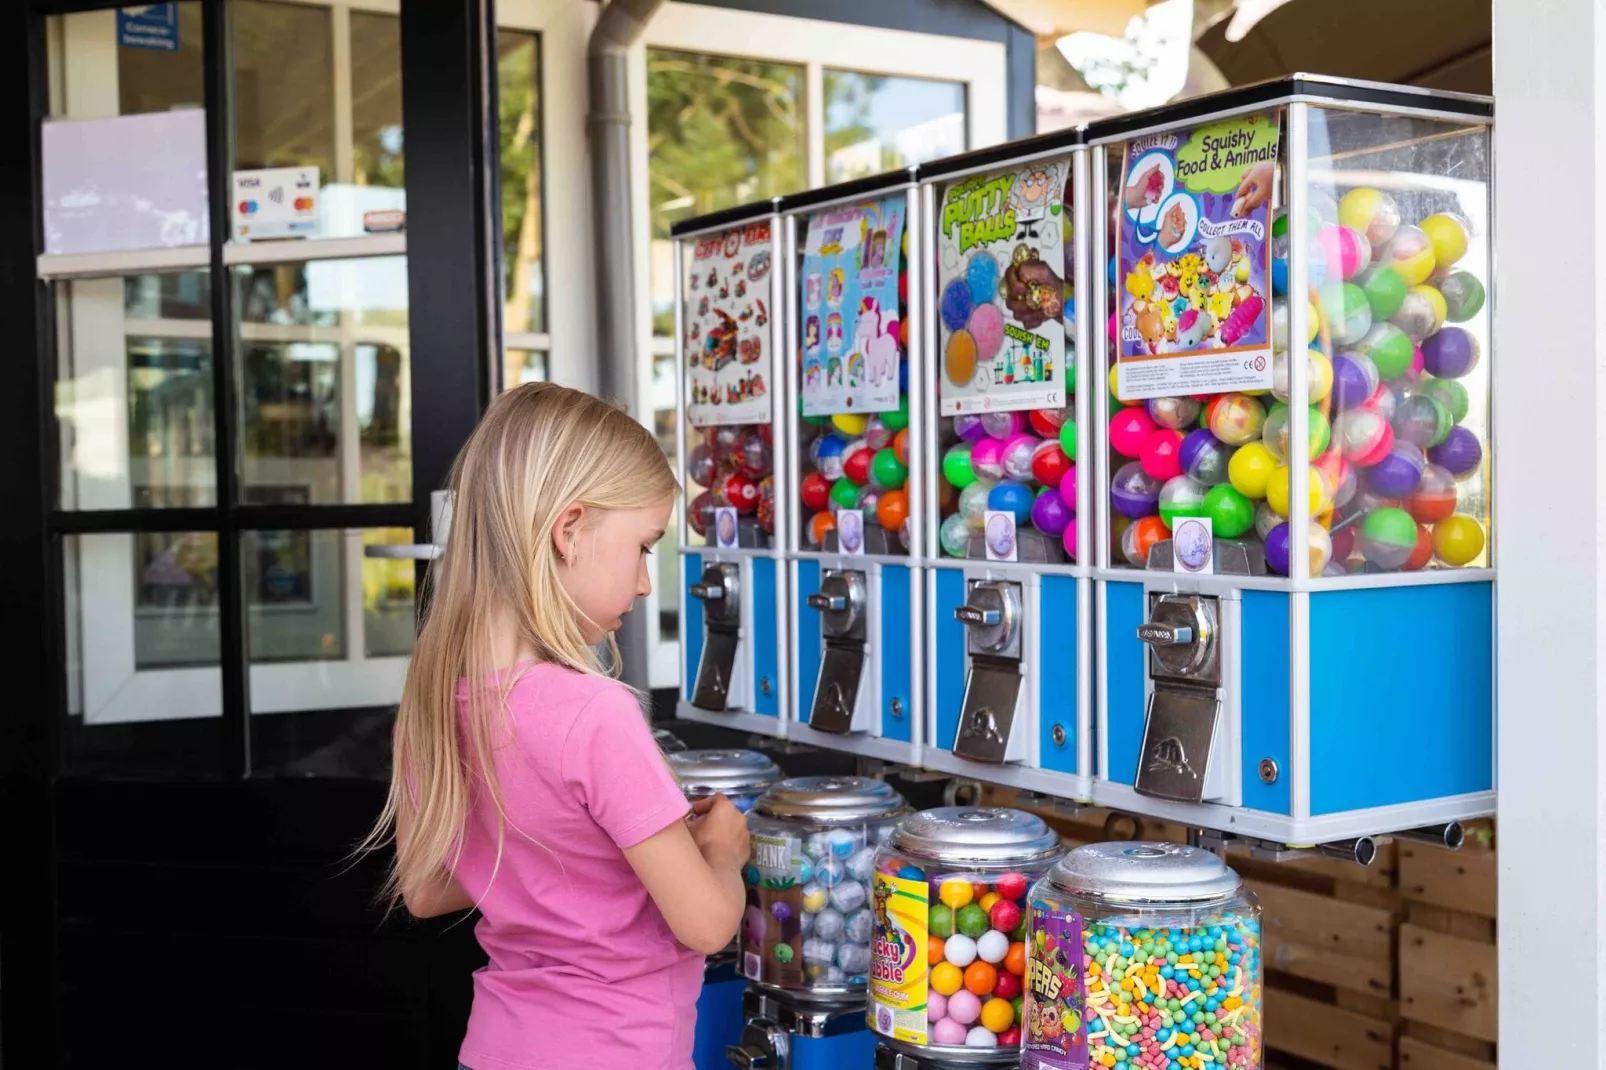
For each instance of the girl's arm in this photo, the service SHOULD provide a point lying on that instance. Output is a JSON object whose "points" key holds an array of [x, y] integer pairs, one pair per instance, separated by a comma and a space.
{"points": [[698, 890], [440, 895]]}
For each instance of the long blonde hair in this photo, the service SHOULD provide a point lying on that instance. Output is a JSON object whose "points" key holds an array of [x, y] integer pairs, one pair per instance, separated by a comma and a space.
{"points": [[539, 449]]}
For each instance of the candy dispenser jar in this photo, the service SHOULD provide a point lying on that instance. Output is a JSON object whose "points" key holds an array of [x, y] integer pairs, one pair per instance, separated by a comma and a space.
{"points": [[949, 953], [667, 741], [1145, 955], [730, 278], [810, 919], [741, 776]]}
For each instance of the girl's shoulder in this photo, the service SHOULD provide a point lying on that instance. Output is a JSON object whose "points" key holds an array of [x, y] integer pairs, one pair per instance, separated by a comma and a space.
{"points": [[554, 689]]}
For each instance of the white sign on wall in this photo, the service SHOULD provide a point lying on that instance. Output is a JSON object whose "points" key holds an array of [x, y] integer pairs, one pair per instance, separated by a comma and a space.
{"points": [[276, 202]]}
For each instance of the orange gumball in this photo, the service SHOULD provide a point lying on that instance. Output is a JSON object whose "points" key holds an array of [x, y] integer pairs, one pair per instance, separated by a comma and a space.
{"points": [[1015, 961], [935, 950], [980, 977], [892, 510], [819, 526]]}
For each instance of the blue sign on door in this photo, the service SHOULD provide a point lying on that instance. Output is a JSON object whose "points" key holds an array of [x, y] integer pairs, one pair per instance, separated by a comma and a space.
{"points": [[153, 26]]}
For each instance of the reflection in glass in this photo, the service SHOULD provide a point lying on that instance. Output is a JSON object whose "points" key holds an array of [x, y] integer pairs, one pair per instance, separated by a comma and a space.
{"points": [[523, 244], [152, 80], [324, 398], [376, 100], [875, 123], [720, 132], [523, 366], [284, 86], [133, 396]]}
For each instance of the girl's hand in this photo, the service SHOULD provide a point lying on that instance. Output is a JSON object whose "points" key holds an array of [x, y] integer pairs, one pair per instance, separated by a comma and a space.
{"points": [[720, 832]]}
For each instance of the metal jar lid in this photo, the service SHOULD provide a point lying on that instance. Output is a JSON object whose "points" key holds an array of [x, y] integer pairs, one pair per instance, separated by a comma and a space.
{"points": [[832, 800], [667, 741], [722, 772], [1157, 872], [976, 834]]}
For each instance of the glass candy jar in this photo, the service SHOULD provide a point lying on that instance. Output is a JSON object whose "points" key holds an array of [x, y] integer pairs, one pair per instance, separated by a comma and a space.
{"points": [[950, 953], [739, 775], [667, 741], [1142, 954], [808, 923]]}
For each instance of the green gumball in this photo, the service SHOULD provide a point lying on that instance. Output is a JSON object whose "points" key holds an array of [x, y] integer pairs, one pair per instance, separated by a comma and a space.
{"points": [[940, 922], [971, 920], [783, 953]]}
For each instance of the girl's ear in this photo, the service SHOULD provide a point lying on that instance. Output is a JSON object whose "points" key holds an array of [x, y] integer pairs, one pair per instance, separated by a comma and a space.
{"points": [[566, 532]]}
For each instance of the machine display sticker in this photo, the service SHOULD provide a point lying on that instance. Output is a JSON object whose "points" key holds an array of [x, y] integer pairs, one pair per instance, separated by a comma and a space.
{"points": [[850, 531], [849, 320], [1193, 546], [1002, 285], [725, 527], [999, 527], [898, 977], [727, 323], [1055, 1011], [1194, 259], [772, 925]]}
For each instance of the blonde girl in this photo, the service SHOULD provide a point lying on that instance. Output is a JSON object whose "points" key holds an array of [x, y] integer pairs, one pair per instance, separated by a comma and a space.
{"points": [[527, 782]]}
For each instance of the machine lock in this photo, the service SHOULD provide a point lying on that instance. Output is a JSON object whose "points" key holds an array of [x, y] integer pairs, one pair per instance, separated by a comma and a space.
{"points": [[719, 590]]}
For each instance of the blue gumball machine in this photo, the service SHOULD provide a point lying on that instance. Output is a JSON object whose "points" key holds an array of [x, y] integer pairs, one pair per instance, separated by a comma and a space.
{"points": [[1009, 674], [742, 776], [733, 578], [1295, 595], [810, 921], [852, 316]]}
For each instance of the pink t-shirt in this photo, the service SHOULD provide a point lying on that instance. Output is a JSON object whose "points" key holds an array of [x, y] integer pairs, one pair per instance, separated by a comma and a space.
{"points": [[583, 970]]}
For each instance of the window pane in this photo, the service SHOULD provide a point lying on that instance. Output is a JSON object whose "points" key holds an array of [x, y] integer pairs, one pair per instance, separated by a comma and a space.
{"points": [[875, 123], [331, 629], [720, 132], [133, 393], [523, 366], [326, 412], [94, 75], [284, 86], [376, 101], [523, 227], [144, 693]]}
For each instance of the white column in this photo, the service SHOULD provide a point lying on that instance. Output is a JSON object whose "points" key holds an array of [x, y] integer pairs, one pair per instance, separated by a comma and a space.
{"points": [[1550, 511]]}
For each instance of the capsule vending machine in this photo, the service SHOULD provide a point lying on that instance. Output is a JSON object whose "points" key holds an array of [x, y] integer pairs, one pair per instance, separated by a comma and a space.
{"points": [[1009, 675], [1295, 581], [726, 330], [853, 314]]}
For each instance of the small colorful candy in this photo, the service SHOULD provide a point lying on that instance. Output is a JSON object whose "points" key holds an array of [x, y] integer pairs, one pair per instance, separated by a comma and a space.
{"points": [[1450, 353], [1133, 492], [1141, 537], [1181, 496], [1435, 495], [1050, 514], [1348, 313], [1236, 418], [1250, 469], [1410, 252], [1129, 429], [1388, 538], [1460, 453], [1463, 296], [1458, 540]]}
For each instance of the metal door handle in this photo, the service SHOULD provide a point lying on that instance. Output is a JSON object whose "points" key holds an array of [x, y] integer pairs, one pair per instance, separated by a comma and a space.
{"points": [[986, 618], [1165, 634], [708, 592], [827, 603]]}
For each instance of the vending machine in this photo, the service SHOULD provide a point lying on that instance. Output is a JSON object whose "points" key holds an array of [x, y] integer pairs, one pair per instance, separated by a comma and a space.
{"points": [[1294, 567], [1010, 666], [730, 284], [856, 253]]}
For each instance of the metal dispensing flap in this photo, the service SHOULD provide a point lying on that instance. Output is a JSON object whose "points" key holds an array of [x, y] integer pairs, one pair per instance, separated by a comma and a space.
{"points": [[976, 834], [1157, 872], [722, 772], [832, 799], [667, 741]]}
